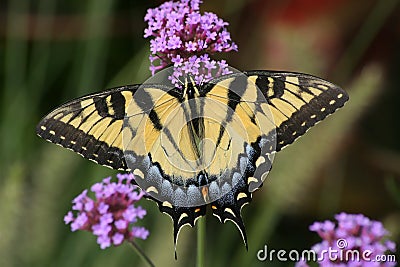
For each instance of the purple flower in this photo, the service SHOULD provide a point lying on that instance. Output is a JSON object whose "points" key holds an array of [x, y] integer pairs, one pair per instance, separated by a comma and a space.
{"points": [[121, 224], [178, 60], [69, 217], [193, 18], [301, 263], [191, 46], [174, 42], [111, 215], [353, 234], [103, 241], [140, 232], [117, 239], [184, 37]]}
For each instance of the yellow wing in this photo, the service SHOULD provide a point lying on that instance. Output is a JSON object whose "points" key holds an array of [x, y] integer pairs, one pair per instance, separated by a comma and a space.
{"points": [[91, 126], [297, 101]]}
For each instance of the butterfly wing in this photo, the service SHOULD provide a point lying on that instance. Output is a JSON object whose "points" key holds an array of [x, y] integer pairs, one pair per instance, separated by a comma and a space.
{"points": [[297, 101], [275, 108], [91, 126], [133, 128]]}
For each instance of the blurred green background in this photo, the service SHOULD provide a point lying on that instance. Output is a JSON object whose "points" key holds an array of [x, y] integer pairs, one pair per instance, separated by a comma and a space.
{"points": [[54, 51]]}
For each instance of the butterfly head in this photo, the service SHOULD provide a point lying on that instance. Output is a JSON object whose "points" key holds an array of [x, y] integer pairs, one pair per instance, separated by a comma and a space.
{"points": [[191, 89]]}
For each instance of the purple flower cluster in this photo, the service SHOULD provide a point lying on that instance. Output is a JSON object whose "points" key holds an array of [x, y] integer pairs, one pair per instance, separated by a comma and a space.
{"points": [[109, 216], [185, 38], [352, 233]]}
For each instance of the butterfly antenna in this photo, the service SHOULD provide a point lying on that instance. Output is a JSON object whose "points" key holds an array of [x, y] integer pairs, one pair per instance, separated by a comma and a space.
{"points": [[180, 80]]}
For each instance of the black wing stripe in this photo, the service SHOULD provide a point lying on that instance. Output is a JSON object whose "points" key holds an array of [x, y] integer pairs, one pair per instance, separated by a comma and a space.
{"points": [[237, 89], [146, 104], [118, 102], [101, 106]]}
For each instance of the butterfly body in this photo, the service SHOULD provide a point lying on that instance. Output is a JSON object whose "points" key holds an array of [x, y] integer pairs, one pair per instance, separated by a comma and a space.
{"points": [[211, 144]]}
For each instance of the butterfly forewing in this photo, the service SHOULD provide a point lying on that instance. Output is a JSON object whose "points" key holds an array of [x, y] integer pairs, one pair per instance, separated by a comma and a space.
{"points": [[297, 101], [91, 126]]}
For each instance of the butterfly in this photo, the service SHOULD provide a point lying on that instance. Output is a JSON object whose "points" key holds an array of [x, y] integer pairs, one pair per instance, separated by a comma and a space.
{"points": [[201, 145]]}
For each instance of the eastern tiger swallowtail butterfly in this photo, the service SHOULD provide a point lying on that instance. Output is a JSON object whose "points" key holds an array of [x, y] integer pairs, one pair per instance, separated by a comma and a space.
{"points": [[199, 145]]}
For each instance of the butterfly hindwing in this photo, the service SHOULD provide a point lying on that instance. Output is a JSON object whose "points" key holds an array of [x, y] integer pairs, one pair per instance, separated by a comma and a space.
{"points": [[181, 216]]}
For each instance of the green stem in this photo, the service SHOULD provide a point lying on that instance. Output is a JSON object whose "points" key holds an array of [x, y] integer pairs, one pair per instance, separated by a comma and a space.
{"points": [[201, 236], [141, 253]]}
